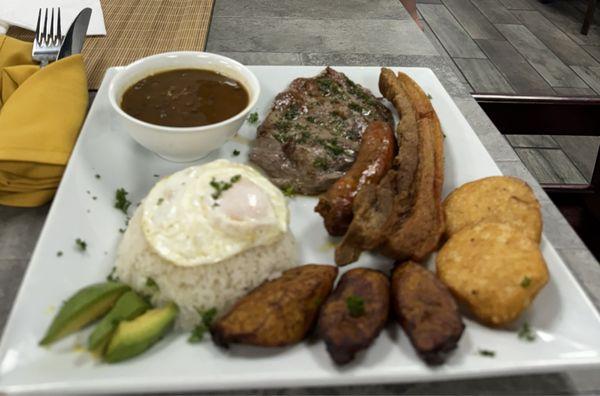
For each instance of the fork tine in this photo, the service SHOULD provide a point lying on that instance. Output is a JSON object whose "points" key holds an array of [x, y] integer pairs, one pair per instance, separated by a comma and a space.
{"points": [[37, 28], [45, 32], [51, 35], [59, 34]]}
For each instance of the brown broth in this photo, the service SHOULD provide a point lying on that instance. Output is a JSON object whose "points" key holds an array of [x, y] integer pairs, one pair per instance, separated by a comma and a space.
{"points": [[184, 98]]}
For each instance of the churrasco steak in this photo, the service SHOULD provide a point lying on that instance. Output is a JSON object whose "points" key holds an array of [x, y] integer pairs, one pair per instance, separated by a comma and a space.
{"points": [[312, 134]]}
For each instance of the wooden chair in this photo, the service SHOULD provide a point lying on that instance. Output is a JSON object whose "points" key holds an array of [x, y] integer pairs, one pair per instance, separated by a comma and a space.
{"points": [[589, 17]]}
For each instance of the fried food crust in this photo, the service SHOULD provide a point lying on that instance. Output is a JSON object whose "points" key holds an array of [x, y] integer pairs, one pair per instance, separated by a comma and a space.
{"points": [[501, 199], [374, 159], [402, 216], [426, 310], [344, 334], [494, 269], [279, 312]]}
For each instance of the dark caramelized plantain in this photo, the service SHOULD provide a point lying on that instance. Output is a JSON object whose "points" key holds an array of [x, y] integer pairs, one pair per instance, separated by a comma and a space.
{"points": [[426, 311], [279, 312], [354, 314]]}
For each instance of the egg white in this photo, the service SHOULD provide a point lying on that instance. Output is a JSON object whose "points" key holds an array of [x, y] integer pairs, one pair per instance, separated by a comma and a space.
{"points": [[187, 222]]}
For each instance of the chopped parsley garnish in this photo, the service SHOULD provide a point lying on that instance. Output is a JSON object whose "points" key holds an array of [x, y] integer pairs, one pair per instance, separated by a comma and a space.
{"points": [[429, 97], [97, 176], [152, 285], [155, 175], [59, 253], [328, 86], [112, 277], [311, 119], [525, 333], [81, 244], [304, 136], [356, 306], [288, 191], [351, 83], [321, 163], [281, 137], [526, 282], [222, 186], [94, 197], [121, 230], [160, 201], [333, 147], [236, 152], [207, 319], [283, 126], [361, 94], [121, 201], [253, 118], [292, 112], [487, 353], [356, 107]]}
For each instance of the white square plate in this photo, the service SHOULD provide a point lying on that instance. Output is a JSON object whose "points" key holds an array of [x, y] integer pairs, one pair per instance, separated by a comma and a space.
{"points": [[565, 321]]}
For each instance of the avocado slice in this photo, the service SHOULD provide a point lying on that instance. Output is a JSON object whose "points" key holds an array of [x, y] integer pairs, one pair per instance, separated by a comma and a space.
{"points": [[129, 306], [133, 337], [85, 306]]}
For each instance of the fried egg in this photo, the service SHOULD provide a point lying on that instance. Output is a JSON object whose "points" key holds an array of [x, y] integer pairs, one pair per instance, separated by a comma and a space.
{"points": [[208, 213]]}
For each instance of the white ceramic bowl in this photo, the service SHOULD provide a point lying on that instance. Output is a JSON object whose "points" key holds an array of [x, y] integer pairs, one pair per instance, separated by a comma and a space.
{"points": [[181, 144]]}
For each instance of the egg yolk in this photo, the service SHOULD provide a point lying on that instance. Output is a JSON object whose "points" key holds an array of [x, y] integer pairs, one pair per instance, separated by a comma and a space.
{"points": [[246, 201]]}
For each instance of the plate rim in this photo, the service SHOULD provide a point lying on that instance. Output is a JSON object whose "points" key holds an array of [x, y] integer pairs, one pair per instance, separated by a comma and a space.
{"points": [[184, 383]]}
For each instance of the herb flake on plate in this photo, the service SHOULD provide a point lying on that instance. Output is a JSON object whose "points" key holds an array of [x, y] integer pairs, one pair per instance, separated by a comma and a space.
{"points": [[207, 318], [81, 244], [253, 118], [526, 333], [525, 282], [288, 191], [112, 277], [121, 201], [487, 353]]}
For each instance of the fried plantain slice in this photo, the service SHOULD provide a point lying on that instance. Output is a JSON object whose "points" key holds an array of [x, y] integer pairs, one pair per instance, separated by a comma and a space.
{"points": [[279, 312], [354, 314], [426, 311]]}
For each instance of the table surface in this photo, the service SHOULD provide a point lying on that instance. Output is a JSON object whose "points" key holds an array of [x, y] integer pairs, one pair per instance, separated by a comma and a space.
{"points": [[348, 32]]}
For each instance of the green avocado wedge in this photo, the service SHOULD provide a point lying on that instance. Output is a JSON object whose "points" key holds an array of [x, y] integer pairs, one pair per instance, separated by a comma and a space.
{"points": [[129, 306], [85, 306], [135, 336]]}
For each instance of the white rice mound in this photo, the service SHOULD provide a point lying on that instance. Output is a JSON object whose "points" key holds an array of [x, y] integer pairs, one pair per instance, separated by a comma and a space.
{"points": [[202, 287]]}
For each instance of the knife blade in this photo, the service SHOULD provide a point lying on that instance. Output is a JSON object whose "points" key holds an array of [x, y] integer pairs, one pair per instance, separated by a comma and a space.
{"points": [[75, 36]]}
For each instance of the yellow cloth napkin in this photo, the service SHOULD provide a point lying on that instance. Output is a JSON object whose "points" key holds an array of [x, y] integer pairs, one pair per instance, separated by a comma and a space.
{"points": [[41, 112]]}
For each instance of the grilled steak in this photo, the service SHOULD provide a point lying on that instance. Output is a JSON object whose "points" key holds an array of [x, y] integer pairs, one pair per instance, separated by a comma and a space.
{"points": [[312, 134]]}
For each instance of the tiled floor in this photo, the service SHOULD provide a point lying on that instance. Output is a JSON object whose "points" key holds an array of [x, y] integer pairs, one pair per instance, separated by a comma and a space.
{"points": [[518, 47], [557, 159], [524, 47]]}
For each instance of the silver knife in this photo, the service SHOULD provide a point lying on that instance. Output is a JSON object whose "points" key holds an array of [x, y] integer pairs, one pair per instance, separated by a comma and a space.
{"points": [[75, 36]]}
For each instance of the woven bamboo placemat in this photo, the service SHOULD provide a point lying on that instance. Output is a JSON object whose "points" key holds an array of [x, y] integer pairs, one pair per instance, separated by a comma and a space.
{"points": [[139, 28]]}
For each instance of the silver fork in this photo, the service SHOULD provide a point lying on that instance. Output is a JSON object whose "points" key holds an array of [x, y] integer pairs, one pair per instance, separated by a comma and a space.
{"points": [[47, 42]]}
